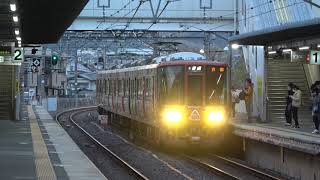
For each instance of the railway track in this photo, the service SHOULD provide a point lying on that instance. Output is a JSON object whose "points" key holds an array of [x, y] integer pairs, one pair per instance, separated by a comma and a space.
{"points": [[235, 170], [255, 172], [232, 175], [210, 168], [131, 170]]}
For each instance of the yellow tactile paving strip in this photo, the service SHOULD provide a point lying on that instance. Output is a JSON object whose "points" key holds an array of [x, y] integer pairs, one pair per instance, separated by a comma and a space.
{"points": [[44, 169]]}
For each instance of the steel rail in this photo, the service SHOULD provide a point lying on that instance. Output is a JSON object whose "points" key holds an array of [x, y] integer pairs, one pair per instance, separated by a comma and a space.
{"points": [[126, 165], [257, 173], [210, 168]]}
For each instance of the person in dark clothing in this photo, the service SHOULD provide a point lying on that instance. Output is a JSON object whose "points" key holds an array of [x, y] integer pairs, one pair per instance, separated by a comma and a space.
{"points": [[288, 111], [316, 109], [296, 104]]}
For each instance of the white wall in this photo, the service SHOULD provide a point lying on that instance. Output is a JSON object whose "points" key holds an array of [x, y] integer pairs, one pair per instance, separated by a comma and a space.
{"points": [[254, 57], [314, 71]]}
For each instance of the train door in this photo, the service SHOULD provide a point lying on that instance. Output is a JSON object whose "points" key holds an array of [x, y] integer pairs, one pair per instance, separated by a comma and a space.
{"points": [[132, 96], [195, 90], [135, 96], [129, 94]]}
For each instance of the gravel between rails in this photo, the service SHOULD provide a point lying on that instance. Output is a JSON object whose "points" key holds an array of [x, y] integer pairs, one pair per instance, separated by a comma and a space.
{"points": [[152, 163], [157, 164], [106, 165], [139, 159]]}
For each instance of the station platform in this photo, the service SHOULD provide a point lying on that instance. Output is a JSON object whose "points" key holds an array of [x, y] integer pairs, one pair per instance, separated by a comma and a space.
{"points": [[38, 148], [278, 134]]}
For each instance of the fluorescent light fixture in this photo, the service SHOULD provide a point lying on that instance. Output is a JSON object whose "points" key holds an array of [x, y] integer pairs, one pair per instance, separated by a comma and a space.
{"points": [[16, 32], [286, 50], [318, 45], [15, 18], [18, 38], [235, 46], [19, 42], [304, 48], [19, 45], [13, 7], [272, 52]]}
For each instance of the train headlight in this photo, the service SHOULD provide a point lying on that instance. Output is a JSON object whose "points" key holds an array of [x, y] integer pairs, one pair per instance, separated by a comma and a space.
{"points": [[173, 117], [216, 117]]}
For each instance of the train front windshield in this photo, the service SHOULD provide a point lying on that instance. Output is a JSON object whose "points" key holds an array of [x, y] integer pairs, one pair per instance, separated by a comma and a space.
{"points": [[216, 91], [205, 85], [171, 83]]}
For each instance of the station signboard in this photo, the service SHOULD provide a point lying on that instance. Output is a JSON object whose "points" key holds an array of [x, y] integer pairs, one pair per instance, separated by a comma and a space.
{"points": [[5, 51], [315, 57], [11, 56]]}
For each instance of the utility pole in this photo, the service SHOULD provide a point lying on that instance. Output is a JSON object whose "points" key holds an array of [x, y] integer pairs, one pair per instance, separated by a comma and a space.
{"points": [[236, 16], [76, 79], [104, 58]]}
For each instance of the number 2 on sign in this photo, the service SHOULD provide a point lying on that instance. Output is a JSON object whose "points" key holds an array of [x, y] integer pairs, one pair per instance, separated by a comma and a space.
{"points": [[17, 54]]}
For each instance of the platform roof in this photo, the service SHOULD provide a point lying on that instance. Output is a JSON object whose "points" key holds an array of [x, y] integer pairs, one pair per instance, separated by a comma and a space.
{"points": [[44, 21], [303, 30], [40, 21]]}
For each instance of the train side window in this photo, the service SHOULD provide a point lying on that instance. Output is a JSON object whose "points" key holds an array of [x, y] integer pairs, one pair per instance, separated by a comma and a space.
{"points": [[146, 84], [105, 87], [109, 87], [100, 86], [97, 88], [124, 87], [135, 87], [114, 87], [139, 87], [119, 87]]}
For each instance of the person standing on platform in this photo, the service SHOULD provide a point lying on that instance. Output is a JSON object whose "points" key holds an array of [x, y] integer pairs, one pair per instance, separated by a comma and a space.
{"points": [[235, 100], [316, 109], [288, 111], [248, 98], [296, 104]]}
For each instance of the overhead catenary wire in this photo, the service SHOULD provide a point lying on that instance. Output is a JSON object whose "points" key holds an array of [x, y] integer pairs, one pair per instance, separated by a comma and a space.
{"points": [[295, 3], [165, 6], [118, 11], [134, 14], [134, 9]]}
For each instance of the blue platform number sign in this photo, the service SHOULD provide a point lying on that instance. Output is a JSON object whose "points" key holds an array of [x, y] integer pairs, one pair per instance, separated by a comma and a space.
{"points": [[18, 55], [315, 57]]}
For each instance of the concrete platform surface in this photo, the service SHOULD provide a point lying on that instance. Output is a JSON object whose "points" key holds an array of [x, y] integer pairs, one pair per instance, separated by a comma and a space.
{"points": [[37, 148], [16, 151], [65, 155], [276, 134]]}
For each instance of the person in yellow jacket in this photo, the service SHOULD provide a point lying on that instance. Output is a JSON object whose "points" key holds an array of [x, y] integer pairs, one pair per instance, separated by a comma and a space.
{"points": [[296, 104], [248, 98]]}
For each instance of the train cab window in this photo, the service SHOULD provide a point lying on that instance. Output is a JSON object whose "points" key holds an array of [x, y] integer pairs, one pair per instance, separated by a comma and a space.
{"points": [[171, 84], [216, 90], [194, 90]]}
